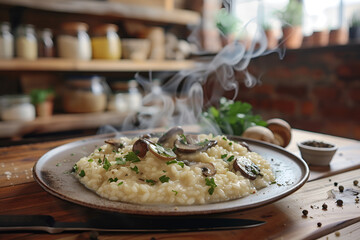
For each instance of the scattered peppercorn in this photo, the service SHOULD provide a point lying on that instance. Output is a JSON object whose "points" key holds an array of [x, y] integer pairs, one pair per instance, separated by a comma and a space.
{"points": [[341, 188], [357, 199], [319, 224], [305, 212], [356, 182], [335, 184], [324, 206], [337, 234], [339, 202]]}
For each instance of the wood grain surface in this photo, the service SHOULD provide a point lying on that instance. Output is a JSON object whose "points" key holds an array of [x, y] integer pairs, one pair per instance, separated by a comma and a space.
{"points": [[19, 194]]}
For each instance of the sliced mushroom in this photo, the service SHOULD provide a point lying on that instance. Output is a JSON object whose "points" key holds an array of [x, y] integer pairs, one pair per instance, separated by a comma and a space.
{"points": [[160, 151], [140, 147], [246, 167], [117, 143], [185, 147], [170, 136], [207, 169]]}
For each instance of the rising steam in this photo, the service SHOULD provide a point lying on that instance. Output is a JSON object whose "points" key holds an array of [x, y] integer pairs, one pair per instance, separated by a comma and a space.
{"points": [[185, 107]]}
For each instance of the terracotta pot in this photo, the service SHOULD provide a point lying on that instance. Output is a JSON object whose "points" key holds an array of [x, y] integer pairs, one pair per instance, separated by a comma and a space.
{"points": [[292, 37], [339, 36], [272, 41], [44, 109], [321, 38]]}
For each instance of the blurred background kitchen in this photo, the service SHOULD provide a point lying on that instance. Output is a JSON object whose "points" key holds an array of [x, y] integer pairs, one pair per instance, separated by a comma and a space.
{"points": [[68, 68]]}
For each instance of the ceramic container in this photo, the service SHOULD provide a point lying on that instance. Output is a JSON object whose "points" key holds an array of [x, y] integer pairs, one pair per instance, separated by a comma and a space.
{"points": [[317, 155]]}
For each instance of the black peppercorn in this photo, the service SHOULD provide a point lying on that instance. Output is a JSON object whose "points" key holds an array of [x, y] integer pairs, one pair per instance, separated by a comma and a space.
{"points": [[341, 188], [324, 206], [356, 182], [305, 212], [319, 224], [339, 202], [335, 184]]}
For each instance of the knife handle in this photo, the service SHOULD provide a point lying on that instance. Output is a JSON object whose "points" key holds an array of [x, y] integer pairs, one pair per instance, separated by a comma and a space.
{"points": [[26, 221]]}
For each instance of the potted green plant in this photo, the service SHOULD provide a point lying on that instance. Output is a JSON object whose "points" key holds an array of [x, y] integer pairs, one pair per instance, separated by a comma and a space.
{"points": [[270, 33], [354, 30], [292, 17], [228, 25], [43, 100]]}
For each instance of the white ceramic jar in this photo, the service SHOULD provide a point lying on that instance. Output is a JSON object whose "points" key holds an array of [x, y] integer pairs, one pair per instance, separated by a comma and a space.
{"points": [[16, 108]]}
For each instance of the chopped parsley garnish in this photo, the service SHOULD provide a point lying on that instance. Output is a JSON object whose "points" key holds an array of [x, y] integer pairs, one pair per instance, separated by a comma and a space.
{"points": [[183, 139], [224, 138], [72, 154], [82, 173], [113, 179], [230, 143], [150, 181], [164, 178], [224, 156], [176, 192], [107, 164], [211, 183], [58, 164], [135, 169], [75, 168], [171, 162], [90, 160], [167, 152], [120, 183], [230, 158], [99, 161], [132, 157], [99, 149], [274, 182], [181, 164], [120, 161]]}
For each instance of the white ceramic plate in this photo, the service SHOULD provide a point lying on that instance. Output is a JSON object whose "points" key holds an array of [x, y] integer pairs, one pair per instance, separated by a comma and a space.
{"points": [[52, 172]]}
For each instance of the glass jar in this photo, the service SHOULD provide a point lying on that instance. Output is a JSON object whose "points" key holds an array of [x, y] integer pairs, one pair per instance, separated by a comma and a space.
{"points": [[106, 42], [16, 108], [74, 41], [6, 41], [26, 42], [127, 100], [46, 43], [85, 94]]}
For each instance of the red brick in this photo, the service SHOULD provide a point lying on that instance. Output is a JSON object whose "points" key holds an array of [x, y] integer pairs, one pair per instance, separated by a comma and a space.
{"points": [[354, 94], [295, 91], [338, 128], [335, 111], [326, 93], [264, 89], [285, 106], [307, 108], [349, 71]]}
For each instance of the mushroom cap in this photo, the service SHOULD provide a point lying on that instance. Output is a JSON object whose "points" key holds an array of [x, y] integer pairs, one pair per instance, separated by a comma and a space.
{"points": [[259, 133], [281, 130]]}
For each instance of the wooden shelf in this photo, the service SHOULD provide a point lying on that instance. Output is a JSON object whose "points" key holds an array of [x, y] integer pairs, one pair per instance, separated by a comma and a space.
{"points": [[58, 64], [112, 9], [61, 122]]}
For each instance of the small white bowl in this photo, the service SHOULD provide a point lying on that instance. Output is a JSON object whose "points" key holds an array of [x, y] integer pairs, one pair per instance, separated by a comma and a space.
{"points": [[319, 155]]}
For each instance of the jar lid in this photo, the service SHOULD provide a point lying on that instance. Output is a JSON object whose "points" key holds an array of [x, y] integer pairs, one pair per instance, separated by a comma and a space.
{"points": [[5, 26], [75, 26], [104, 28]]}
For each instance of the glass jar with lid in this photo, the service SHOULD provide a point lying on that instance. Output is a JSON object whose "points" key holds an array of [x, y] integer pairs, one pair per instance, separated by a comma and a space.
{"points": [[46, 43], [85, 94], [106, 42], [26, 42], [6, 41], [74, 41], [16, 108]]}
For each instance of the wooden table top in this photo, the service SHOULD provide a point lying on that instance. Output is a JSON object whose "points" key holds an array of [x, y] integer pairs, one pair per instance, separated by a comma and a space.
{"points": [[20, 194]]}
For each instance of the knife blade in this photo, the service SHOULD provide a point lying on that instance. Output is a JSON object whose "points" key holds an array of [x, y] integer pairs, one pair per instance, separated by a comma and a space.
{"points": [[123, 224]]}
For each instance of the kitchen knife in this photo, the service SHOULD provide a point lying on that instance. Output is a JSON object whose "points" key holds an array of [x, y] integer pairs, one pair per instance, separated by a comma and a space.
{"points": [[123, 224]]}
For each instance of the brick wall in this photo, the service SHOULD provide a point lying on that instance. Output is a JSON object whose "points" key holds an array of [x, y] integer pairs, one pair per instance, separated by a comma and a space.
{"points": [[315, 89]]}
